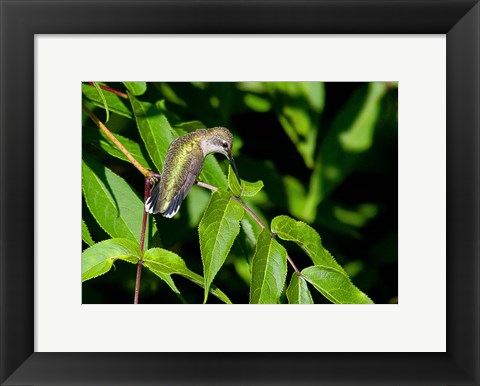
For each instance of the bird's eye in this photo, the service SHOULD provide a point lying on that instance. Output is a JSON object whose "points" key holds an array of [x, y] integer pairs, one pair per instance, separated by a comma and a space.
{"points": [[225, 145]]}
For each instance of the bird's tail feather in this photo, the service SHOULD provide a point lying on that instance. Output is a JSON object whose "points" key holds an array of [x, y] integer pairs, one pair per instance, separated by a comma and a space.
{"points": [[152, 204]]}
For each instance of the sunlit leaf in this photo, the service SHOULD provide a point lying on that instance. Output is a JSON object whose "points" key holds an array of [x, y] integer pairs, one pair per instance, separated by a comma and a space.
{"points": [[269, 270], [212, 173], [104, 101], [136, 88], [99, 258], [97, 138], [86, 237], [298, 292], [115, 104], [112, 202], [218, 229], [306, 238], [154, 128], [247, 189], [359, 135], [335, 285], [165, 263]]}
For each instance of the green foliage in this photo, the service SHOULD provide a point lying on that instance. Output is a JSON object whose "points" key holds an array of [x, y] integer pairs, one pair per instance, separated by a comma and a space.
{"points": [[154, 128], [305, 236], [218, 229], [247, 189], [212, 173], [298, 106], [350, 136], [164, 263], [297, 291], [269, 270], [99, 258], [136, 88], [115, 104], [323, 160], [335, 285], [98, 139], [111, 200], [86, 237], [102, 97]]}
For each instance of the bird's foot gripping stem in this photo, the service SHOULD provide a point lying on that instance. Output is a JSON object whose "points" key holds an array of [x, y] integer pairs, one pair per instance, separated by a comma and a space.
{"points": [[152, 178]]}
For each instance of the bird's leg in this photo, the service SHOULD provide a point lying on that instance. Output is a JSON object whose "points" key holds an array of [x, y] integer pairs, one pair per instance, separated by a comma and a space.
{"points": [[152, 178]]}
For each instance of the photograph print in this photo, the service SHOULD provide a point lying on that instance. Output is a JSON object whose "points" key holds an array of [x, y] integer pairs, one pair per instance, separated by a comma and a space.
{"points": [[239, 192]]}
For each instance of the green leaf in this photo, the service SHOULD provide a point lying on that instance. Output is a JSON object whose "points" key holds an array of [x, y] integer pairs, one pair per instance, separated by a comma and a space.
{"points": [[306, 237], [296, 195], [164, 263], [102, 97], [335, 285], [212, 173], [247, 189], [257, 103], [154, 128], [197, 201], [269, 270], [86, 237], [99, 258], [298, 106], [97, 138], [218, 229], [252, 230], [309, 240], [359, 136], [113, 203], [350, 136], [214, 290], [136, 88], [358, 217], [297, 291], [115, 103]]}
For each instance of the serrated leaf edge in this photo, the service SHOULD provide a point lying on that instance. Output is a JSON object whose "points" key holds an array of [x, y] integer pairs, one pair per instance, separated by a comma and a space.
{"points": [[109, 197], [335, 300], [89, 234], [229, 200], [302, 245]]}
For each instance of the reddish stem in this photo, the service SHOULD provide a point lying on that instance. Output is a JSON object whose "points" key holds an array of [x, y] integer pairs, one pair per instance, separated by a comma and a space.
{"points": [[142, 242], [109, 89]]}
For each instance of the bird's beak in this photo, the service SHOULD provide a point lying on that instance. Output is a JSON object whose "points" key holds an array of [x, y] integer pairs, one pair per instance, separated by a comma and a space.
{"points": [[234, 167]]}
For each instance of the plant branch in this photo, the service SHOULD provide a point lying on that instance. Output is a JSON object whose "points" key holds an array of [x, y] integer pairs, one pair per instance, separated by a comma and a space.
{"points": [[109, 89], [142, 241], [137, 281], [112, 138]]}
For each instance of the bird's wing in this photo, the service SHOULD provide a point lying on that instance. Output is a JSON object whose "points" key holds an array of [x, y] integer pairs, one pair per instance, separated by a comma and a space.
{"points": [[191, 176]]}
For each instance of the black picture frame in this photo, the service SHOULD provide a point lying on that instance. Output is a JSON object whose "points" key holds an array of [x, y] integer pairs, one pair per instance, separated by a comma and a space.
{"points": [[21, 20]]}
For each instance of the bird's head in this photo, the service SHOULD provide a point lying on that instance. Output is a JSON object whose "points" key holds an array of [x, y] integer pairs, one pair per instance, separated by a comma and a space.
{"points": [[219, 140]]}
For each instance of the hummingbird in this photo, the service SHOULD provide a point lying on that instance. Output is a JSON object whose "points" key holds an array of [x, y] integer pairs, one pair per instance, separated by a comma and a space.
{"points": [[182, 165]]}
